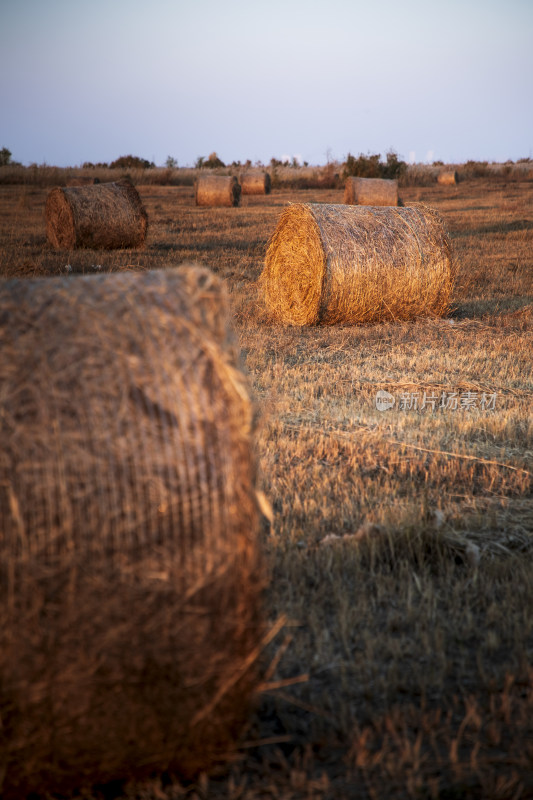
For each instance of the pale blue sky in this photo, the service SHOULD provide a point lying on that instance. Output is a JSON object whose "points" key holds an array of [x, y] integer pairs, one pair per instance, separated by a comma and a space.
{"points": [[92, 80]]}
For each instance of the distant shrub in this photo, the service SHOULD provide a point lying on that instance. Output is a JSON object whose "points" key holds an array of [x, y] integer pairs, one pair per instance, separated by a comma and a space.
{"points": [[276, 162], [476, 169], [98, 165], [5, 157], [131, 162], [372, 166], [171, 162], [362, 167], [209, 163], [394, 167]]}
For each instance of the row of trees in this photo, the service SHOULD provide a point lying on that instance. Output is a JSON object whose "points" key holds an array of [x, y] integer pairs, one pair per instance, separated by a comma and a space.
{"points": [[364, 166], [369, 166], [123, 162]]}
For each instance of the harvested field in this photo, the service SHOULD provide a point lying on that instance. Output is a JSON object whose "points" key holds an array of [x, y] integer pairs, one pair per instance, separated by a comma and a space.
{"points": [[401, 546], [82, 180]]}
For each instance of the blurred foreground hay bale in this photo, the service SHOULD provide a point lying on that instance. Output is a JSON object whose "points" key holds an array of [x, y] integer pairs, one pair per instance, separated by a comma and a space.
{"points": [[255, 183], [129, 573], [217, 190], [103, 215], [354, 264], [371, 192], [447, 177]]}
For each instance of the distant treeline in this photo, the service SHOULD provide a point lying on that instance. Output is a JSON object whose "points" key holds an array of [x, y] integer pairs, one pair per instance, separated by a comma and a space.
{"points": [[282, 173]]}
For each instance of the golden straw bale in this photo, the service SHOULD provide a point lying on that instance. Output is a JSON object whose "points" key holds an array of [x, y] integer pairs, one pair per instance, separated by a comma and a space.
{"points": [[256, 183], [130, 619], [217, 190], [104, 215], [371, 192], [447, 177], [355, 264]]}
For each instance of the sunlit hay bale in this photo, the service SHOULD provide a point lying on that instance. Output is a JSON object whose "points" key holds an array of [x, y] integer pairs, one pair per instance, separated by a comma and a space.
{"points": [[82, 180], [371, 192], [105, 215], [217, 190], [355, 264], [255, 183], [447, 177], [129, 573]]}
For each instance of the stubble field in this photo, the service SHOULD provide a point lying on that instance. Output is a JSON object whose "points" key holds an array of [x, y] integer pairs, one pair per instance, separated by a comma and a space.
{"points": [[400, 550]]}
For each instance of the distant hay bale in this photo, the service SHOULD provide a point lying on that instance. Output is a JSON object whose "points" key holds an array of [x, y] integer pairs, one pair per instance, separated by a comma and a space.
{"points": [[447, 177], [217, 190], [104, 215], [82, 180], [129, 573], [355, 264], [371, 192], [256, 183]]}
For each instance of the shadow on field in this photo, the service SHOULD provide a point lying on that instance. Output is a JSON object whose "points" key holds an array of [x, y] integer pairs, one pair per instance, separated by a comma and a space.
{"points": [[512, 226], [483, 307]]}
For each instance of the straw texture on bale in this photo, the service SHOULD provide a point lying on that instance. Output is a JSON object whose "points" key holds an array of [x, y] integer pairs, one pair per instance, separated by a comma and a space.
{"points": [[217, 190], [104, 215], [129, 573], [371, 192], [355, 264], [447, 178], [256, 183]]}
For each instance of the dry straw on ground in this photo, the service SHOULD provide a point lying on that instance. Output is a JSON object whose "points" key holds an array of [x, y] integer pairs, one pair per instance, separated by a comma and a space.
{"points": [[447, 177], [217, 190], [82, 180], [104, 215], [355, 264], [255, 183], [371, 192], [129, 573]]}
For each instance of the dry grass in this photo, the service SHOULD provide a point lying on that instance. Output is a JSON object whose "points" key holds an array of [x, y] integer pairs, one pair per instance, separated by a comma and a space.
{"points": [[328, 263], [82, 180], [404, 669], [98, 216], [130, 581]]}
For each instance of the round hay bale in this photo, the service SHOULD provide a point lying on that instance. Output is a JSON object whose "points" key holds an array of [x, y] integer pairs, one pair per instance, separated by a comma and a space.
{"points": [[371, 192], [447, 177], [130, 579], [104, 215], [256, 183], [217, 190], [356, 264]]}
